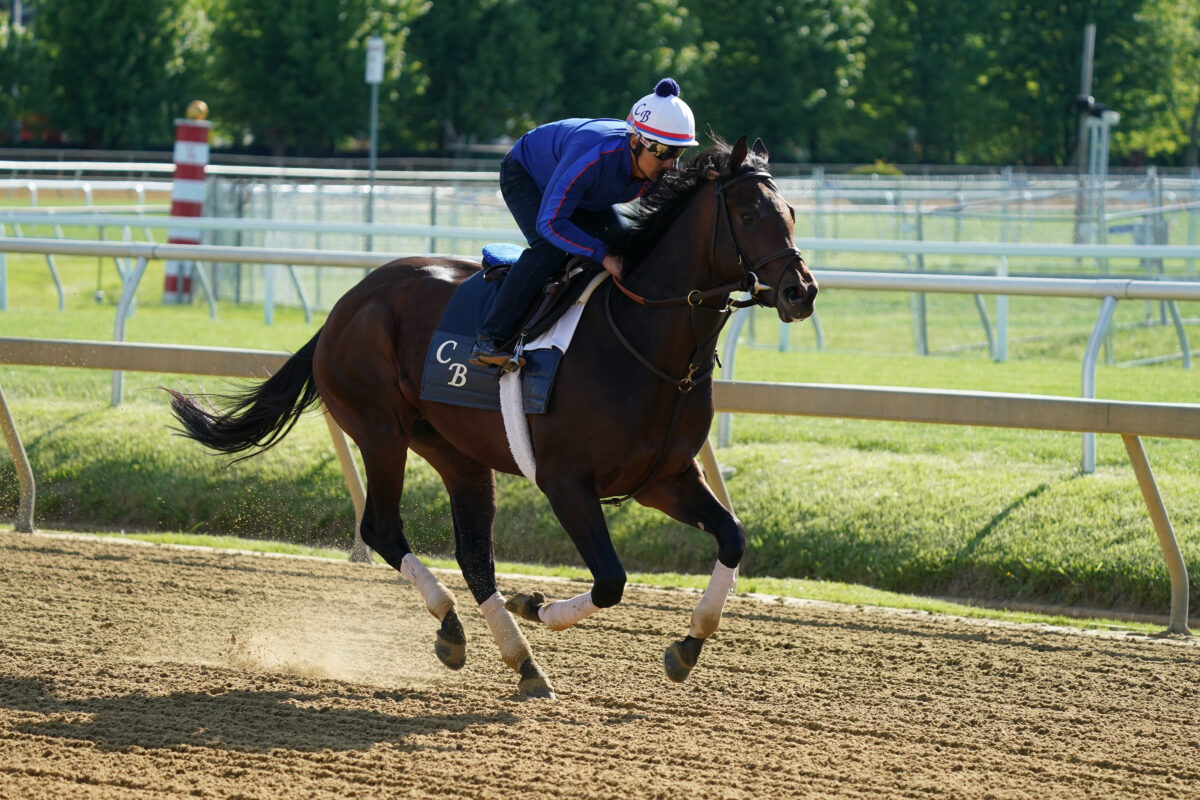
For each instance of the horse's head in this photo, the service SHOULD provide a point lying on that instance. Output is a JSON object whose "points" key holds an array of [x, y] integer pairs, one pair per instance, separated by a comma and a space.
{"points": [[753, 235]]}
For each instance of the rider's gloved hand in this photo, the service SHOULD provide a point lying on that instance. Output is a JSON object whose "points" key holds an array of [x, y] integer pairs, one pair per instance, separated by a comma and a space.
{"points": [[613, 264]]}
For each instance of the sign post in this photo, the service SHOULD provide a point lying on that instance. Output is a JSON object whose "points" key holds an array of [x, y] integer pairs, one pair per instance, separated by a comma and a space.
{"points": [[374, 77]]}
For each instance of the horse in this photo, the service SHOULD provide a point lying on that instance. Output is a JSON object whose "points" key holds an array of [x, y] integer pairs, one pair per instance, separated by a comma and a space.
{"points": [[632, 402]]}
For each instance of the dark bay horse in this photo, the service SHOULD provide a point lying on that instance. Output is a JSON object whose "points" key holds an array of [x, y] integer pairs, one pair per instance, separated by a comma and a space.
{"points": [[632, 401]]}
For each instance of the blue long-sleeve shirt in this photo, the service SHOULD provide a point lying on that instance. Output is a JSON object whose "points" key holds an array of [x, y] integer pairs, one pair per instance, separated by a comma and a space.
{"points": [[578, 163]]}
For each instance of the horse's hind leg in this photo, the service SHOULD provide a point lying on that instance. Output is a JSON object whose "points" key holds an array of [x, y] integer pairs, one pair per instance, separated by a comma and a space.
{"points": [[383, 531], [472, 490], [687, 498]]}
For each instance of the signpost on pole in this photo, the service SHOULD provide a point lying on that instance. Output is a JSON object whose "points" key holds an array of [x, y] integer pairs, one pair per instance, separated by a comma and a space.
{"points": [[374, 77], [1083, 102]]}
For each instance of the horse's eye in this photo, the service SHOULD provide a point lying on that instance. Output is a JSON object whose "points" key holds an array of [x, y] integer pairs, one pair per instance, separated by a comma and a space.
{"points": [[747, 218]]}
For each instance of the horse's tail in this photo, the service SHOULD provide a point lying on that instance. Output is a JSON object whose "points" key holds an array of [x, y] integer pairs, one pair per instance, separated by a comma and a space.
{"points": [[257, 418]]}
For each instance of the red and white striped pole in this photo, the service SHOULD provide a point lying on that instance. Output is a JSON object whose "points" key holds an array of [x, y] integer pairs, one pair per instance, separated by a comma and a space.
{"points": [[187, 196]]}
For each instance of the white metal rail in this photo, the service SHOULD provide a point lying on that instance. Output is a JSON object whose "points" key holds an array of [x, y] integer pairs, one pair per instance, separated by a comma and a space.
{"points": [[1109, 291], [887, 246]]}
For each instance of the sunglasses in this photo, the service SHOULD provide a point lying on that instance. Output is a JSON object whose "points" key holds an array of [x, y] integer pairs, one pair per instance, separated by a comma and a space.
{"points": [[663, 152]]}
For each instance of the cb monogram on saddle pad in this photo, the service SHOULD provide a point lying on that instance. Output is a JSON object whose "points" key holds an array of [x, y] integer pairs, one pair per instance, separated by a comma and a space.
{"points": [[449, 378]]}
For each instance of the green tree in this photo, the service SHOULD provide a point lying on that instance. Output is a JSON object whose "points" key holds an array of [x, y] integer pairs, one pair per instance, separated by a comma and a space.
{"points": [[23, 79], [785, 70], [1035, 50], [289, 76], [116, 77], [608, 55], [480, 67], [491, 68], [919, 97], [1169, 127]]}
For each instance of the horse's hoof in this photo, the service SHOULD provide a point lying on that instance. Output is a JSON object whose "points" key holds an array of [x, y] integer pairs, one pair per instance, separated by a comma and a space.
{"points": [[526, 606], [451, 644], [681, 656], [533, 681]]}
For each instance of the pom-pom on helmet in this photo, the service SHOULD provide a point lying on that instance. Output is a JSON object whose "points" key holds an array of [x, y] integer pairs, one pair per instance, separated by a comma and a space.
{"points": [[662, 117]]}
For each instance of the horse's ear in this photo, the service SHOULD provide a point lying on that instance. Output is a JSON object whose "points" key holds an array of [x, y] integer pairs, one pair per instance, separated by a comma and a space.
{"points": [[760, 150], [736, 156]]}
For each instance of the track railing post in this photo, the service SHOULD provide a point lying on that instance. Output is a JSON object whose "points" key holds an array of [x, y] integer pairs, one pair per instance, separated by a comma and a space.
{"points": [[123, 309], [359, 552], [24, 520], [713, 476], [1088, 463], [1166, 534]]}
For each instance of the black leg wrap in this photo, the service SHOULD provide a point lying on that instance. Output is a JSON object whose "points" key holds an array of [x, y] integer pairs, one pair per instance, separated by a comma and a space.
{"points": [[731, 558], [606, 592], [681, 656], [451, 645]]}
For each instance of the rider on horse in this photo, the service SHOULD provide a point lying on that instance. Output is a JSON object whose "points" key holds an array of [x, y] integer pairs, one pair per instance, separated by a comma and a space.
{"points": [[561, 181]]}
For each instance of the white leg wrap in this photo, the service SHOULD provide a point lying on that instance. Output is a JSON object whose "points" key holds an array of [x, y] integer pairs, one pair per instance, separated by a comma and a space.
{"points": [[562, 614], [437, 597], [514, 647], [707, 615]]}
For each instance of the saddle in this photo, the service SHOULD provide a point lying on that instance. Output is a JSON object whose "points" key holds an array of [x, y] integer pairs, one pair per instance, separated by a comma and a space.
{"points": [[449, 378], [558, 294]]}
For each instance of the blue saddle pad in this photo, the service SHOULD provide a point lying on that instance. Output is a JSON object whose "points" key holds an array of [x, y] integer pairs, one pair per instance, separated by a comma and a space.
{"points": [[448, 378]]}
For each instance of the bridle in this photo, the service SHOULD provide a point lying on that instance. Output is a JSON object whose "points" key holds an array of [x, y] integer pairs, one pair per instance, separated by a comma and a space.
{"points": [[749, 281], [694, 299], [697, 371]]}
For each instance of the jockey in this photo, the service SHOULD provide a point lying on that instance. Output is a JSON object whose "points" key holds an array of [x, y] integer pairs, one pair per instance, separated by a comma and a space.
{"points": [[561, 181]]}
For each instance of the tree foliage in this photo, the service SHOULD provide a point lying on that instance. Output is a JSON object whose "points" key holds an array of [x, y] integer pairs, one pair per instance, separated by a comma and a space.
{"points": [[932, 81], [921, 97], [291, 74], [492, 68], [785, 70], [24, 76], [116, 77], [609, 55], [1036, 55]]}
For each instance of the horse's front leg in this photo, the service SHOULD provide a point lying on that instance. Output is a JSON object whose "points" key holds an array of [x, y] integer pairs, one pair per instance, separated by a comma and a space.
{"points": [[687, 498], [472, 490], [577, 507]]}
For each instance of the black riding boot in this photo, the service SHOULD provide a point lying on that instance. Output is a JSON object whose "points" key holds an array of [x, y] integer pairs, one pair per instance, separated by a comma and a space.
{"points": [[518, 291]]}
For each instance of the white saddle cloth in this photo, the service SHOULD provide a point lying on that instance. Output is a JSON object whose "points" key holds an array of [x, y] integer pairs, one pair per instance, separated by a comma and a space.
{"points": [[516, 426]]}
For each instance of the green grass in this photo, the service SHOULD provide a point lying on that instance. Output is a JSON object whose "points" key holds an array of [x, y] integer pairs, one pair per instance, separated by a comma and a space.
{"points": [[996, 515]]}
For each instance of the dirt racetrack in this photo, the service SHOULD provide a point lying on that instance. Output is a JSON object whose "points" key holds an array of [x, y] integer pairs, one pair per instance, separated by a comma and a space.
{"points": [[137, 671]]}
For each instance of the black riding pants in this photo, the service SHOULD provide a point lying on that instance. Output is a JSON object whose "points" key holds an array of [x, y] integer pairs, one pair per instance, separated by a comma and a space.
{"points": [[541, 261]]}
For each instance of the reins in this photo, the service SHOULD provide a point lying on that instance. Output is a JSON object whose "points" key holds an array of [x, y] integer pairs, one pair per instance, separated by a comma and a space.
{"points": [[696, 372]]}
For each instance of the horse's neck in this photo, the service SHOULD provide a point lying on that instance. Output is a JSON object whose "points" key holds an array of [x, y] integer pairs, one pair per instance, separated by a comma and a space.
{"points": [[679, 263]]}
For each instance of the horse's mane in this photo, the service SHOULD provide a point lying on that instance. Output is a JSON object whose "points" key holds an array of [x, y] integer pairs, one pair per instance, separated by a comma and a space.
{"points": [[648, 220]]}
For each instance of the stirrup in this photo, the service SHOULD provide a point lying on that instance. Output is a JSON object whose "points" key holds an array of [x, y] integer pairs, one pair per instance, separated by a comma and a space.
{"points": [[484, 356]]}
